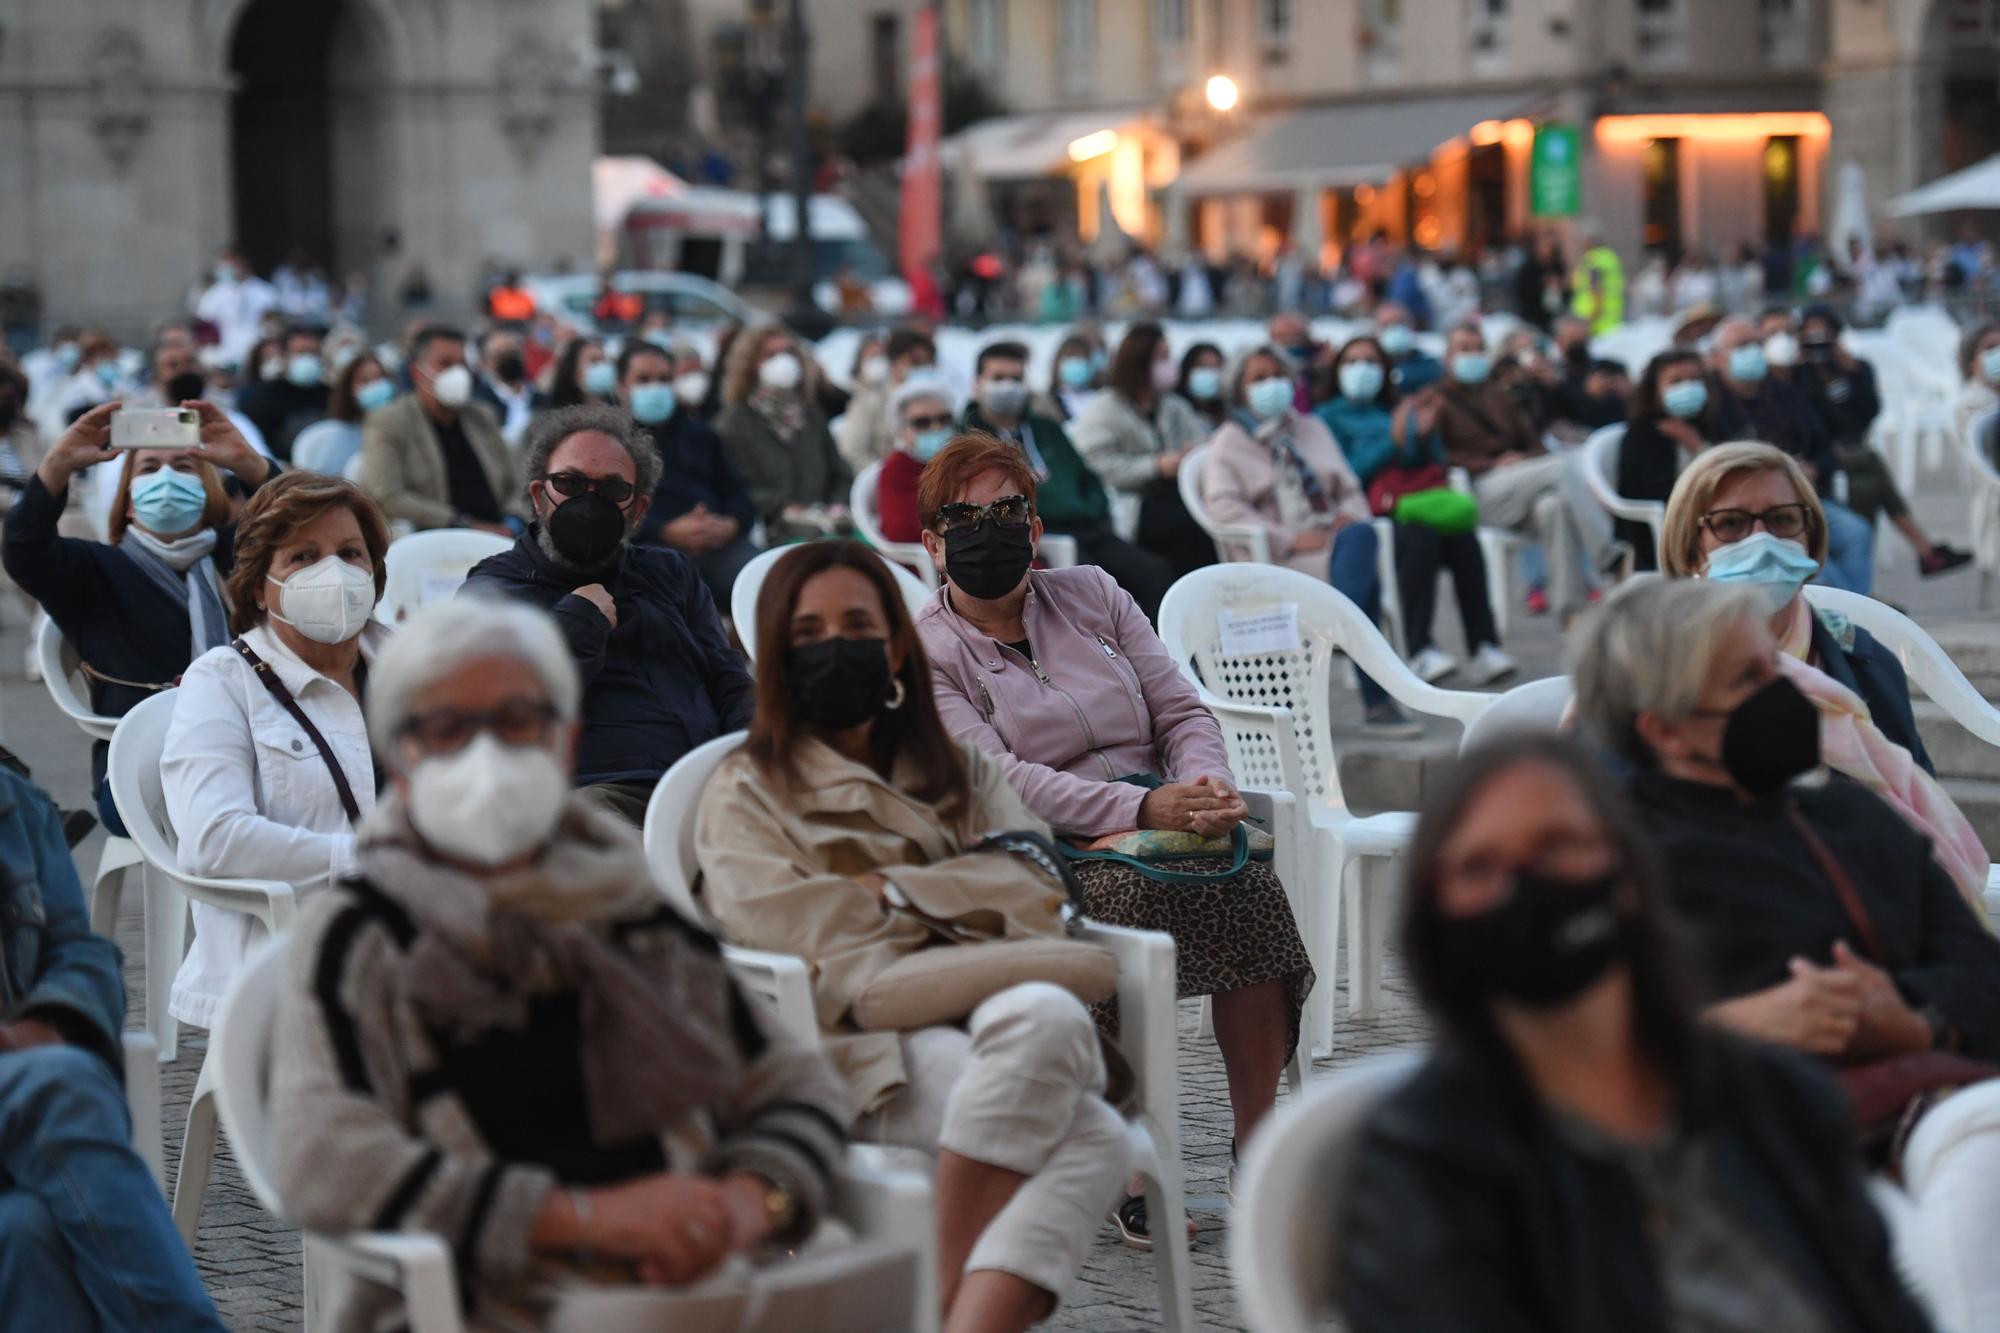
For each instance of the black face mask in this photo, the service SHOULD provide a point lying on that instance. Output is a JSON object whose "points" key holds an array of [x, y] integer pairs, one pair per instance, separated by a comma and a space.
{"points": [[184, 386], [988, 561], [1547, 944], [510, 368], [1771, 738], [836, 684], [587, 531]]}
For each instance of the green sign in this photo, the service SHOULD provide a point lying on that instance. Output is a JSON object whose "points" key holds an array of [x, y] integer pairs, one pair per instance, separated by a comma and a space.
{"points": [[1555, 172]]}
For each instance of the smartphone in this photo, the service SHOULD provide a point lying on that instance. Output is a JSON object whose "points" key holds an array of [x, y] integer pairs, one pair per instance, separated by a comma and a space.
{"points": [[155, 428]]}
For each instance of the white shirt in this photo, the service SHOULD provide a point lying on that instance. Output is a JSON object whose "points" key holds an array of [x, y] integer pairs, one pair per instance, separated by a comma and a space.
{"points": [[237, 309], [250, 798]]}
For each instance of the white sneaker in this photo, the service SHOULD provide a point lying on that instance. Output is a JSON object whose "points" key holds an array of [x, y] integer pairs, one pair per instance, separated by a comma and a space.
{"points": [[1433, 664], [1490, 664]]}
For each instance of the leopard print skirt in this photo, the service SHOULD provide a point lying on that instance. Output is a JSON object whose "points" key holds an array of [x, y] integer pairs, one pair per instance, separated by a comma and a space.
{"points": [[1228, 935]]}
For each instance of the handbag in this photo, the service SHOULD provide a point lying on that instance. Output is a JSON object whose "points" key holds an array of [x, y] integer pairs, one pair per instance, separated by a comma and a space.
{"points": [[1152, 852], [1392, 483], [1889, 1094]]}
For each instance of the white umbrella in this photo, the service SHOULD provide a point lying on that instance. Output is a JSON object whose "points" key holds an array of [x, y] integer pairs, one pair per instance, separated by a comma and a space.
{"points": [[1850, 214], [1977, 186]]}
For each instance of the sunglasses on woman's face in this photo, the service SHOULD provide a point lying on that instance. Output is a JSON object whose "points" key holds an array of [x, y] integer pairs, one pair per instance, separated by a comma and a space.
{"points": [[569, 485], [1733, 525], [1009, 511], [939, 422]]}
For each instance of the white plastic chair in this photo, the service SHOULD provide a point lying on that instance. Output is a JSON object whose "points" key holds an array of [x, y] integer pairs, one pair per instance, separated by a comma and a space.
{"points": [[749, 583], [1984, 492], [142, 1102], [135, 786], [427, 567], [107, 891], [1273, 711], [1600, 473], [1283, 1241], [867, 517], [1146, 1003], [1534, 707]]}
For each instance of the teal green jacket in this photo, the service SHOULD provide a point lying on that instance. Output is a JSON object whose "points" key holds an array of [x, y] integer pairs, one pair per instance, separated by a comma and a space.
{"points": [[1070, 495], [1364, 435]]}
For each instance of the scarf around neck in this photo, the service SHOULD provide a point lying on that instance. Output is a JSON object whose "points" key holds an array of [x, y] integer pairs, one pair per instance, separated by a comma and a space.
{"points": [[1302, 500], [184, 569], [785, 409]]}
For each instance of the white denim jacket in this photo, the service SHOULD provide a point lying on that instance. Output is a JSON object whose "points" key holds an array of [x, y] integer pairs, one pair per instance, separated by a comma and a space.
{"points": [[250, 798]]}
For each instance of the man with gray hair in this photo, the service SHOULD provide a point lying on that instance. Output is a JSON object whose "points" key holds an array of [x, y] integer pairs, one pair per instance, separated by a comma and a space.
{"points": [[659, 674]]}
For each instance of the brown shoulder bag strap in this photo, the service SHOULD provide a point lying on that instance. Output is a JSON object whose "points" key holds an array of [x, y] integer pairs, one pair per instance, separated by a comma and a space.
{"points": [[262, 670], [1850, 897]]}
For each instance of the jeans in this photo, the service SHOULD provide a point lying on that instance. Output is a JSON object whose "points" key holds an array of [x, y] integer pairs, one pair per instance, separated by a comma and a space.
{"points": [[85, 1237], [1850, 550], [1353, 571], [1421, 553]]}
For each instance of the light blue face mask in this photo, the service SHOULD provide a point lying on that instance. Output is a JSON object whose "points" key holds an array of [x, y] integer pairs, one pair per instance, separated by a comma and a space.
{"points": [[653, 403], [1205, 383], [601, 378], [1076, 372], [375, 393], [930, 443], [67, 355], [168, 503], [1471, 367], [1685, 399], [305, 371], [1396, 338], [1989, 364], [1748, 365], [107, 373], [1269, 397], [1361, 381], [1776, 566]]}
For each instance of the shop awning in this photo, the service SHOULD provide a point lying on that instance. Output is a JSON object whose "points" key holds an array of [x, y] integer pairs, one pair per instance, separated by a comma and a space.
{"points": [[1354, 143], [1024, 147], [1977, 186]]}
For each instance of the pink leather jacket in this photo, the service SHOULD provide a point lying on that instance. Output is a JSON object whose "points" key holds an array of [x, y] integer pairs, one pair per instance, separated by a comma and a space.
{"points": [[1102, 699]]}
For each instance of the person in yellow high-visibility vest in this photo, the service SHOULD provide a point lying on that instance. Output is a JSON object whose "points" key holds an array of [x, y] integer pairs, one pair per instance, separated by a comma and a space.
{"points": [[1597, 285]]}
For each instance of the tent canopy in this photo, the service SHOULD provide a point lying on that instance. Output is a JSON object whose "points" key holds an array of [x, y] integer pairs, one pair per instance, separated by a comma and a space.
{"points": [[1354, 143], [1977, 186], [1027, 146]]}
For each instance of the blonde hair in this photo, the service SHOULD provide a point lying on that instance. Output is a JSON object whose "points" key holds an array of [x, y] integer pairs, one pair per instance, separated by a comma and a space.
{"points": [[1680, 544]]}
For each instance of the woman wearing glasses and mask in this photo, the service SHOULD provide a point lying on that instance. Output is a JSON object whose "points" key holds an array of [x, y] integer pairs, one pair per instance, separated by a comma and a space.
{"points": [[1057, 674], [1745, 514]]}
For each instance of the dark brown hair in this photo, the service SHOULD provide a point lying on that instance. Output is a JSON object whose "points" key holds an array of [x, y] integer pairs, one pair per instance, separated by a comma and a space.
{"points": [[1132, 367], [959, 462], [280, 508], [1646, 395], [343, 406], [913, 731]]}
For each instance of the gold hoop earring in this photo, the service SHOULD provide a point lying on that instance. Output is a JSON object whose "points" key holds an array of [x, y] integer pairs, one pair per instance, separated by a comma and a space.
{"points": [[896, 699]]}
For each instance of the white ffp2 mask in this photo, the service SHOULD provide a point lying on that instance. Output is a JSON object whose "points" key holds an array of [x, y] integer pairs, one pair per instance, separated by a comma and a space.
{"points": [[328, 602], [488, 803]]}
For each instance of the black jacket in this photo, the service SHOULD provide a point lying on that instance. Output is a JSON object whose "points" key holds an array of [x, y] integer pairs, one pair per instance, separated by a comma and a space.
{"points": [[1462, 1216], [281, 409], [1744, 878], [1846, 400], [1858, 660], [694, 469], [1779, 415], [1649, 461], [664, 681]]}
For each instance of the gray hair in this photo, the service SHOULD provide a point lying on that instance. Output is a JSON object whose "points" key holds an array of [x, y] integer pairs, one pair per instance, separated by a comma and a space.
{"points": [[1647, 649], [446, 636], [1278, 354], [928, 387], [552, 428]]}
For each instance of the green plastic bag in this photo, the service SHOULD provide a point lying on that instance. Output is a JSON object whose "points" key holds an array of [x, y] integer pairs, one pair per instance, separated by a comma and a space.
{"points": [[1444, 510]]}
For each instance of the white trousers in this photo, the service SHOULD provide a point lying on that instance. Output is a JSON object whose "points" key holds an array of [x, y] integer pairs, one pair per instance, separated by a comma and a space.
{"points": [[1947, 1237], [1020, 1088]]}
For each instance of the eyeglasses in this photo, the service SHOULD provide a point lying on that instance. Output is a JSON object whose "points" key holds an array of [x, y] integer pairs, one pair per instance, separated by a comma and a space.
{"points": [[939, 422], [569, 485], [517, 722], [1733, 525], [1009, 511]]}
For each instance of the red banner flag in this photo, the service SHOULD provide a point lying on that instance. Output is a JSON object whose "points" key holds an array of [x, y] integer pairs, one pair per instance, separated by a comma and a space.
{"points": [[921, 222]]}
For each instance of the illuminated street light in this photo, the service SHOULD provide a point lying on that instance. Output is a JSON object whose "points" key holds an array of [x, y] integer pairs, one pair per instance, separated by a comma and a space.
{"points": [[1223, 94]]}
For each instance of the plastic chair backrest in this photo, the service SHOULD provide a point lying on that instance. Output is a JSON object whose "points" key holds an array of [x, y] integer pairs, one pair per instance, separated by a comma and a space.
{"points": [[1233, 541], [1928, 666], [1534, 707], [670, 822], [60, 663], [427, 567], [133, 768], [1297, 678], [1292, 1194], [1967, 442], [861, 503], [1189, 479], [750, 582], [241, 1047]]}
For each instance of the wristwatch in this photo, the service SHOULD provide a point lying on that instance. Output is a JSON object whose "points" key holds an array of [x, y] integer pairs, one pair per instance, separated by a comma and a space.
{"points": [[781, 1211]]}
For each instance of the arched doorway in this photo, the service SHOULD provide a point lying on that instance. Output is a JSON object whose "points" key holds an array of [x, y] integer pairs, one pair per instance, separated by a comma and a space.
{"points": [[307, 165]]}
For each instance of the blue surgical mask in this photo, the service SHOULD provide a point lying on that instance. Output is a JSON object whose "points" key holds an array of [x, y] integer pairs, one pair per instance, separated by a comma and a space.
{"points": [[653, 403], [1361, 381], [375, 393], [1205, 383], [169, 503], [1471, 367], [1747, 364], [1989, 364], [929, 444], [601, 378], [1685, 399], [1269, 397], [1396, 339], [1776, 566], [305, 371], [1076, 372], [67, 354], [107, 373]]}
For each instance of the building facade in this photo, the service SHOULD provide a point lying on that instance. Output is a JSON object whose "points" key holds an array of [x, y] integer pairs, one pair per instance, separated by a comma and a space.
{"points": [[368, 136]]}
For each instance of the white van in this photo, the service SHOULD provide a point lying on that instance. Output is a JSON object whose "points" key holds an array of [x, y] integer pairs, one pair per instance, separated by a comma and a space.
{"points": [[715, 234]]}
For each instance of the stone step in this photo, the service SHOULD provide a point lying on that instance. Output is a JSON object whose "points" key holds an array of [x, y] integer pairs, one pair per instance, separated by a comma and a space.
{"points": [[1975, 647], [1980, 801], [1378, 775], [1955, 752]]}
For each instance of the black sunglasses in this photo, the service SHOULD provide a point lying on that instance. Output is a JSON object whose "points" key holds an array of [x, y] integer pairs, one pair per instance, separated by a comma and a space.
{"points": [[1009, 511], [569, 485], [929, 423]]}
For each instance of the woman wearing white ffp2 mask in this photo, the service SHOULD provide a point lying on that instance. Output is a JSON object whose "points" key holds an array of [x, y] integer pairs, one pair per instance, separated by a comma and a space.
{"points": [[267, 767]]}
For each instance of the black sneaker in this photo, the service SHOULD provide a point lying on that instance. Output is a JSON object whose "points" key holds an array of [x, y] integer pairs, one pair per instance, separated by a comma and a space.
{"points": [[1942, 559], [1130, 1219]]}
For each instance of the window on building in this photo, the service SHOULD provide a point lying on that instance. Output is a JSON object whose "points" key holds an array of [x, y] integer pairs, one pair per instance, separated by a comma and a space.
{"points": [[1382, 39], [1079, 46], [1660, 212], [987, 43], [885, 52], [1781, 188], [1486, 35], [1780, 33], [1661, 37], [1275, 19], [1171, 22]]}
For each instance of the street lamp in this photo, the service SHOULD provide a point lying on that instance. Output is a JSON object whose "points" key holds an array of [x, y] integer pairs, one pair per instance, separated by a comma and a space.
{"points": [[1223, 94]]}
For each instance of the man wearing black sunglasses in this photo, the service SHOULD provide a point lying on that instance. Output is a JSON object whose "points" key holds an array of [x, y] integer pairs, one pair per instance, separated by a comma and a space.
{"points": [[659, 675]]}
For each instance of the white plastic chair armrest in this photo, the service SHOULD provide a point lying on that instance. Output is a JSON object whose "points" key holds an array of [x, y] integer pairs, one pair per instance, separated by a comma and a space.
{"points": [[785, 983], [142, 1101], [1254, 541], [1146, 998], [270, 901], [1058, 551], [881, 1196], [416, 1263]]}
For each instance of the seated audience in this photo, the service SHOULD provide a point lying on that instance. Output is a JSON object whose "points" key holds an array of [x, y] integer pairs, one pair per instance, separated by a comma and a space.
{"points": [[266, 769], [329, 446], [1979, 363], [1201, 383], [86, 1241], [1363, 415], [691, 380], [584, 376], [700, 506], [1580, 1153], [1134, 436], [1823, 920], [848, 815], [866, 432], [1519, 484], [493, 1029], [284, 404], [1070, 689], [1289, 333], [1410, 367], [921, 407], [1075, 378], [1663, 436], [434, 458], [1273, 468], [659, 675], [1069, 497], [777, 437], [503, 386], [139, 609]]}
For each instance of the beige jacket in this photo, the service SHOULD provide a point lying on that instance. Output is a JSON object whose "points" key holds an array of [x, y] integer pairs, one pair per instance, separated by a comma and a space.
{"points": [[403, 467], [780, 871], [1239, 485]]}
